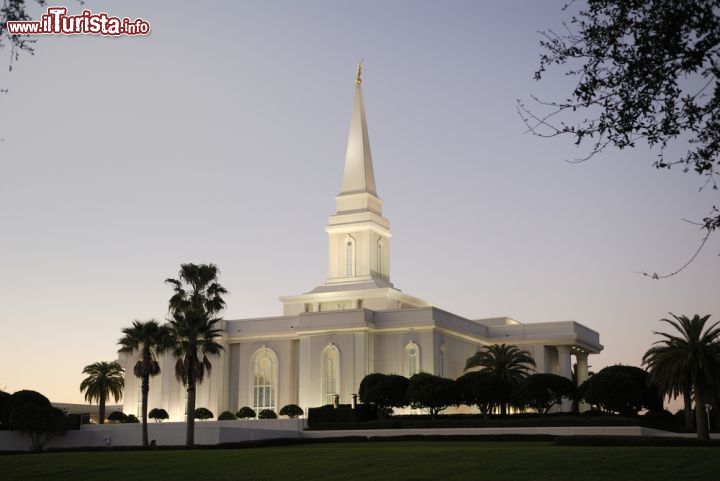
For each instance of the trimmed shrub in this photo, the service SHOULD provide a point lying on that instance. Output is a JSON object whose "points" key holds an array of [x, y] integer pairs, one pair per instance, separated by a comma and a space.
{"points": [[4, 414], [117, 417], [226, 416], [21, 398], [543, 391], [621, 389], [292, 411], [432, 393], [158, 414], [203, 414], [386, 391], [484, 390], [245, 412], [267, 414], [40, 422], [342, 415], [132, 419]]}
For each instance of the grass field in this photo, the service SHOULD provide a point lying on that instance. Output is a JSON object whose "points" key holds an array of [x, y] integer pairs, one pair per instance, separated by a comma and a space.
{"points": [[376, 461]]}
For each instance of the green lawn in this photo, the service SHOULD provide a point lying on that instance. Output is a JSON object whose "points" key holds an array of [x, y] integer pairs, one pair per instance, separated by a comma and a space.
{"points": [[377, 461]]}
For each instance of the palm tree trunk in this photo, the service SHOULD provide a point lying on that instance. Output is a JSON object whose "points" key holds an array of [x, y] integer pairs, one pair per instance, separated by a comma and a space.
{"points": [[701, 414], [101, 407], [145, 389], [190, 435], [687, 404]]}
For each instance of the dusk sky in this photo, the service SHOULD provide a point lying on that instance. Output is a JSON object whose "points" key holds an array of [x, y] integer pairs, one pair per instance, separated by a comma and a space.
{"points": [[220, 137]]}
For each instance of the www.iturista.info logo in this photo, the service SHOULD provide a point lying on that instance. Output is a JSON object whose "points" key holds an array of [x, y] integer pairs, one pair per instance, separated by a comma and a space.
{"points": [[57, 22]]}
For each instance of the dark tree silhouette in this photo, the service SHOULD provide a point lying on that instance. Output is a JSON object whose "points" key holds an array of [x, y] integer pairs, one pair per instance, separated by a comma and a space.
{"points": [[149, 339], [12, 10], [505, 361], [104, 379], [158, 414], [432, 393], [691, 358], [385, 391], [194, 306], [647, 71]]}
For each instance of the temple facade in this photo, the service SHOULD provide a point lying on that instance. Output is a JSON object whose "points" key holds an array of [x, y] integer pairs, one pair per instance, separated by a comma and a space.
{"points": [[355, 324]]}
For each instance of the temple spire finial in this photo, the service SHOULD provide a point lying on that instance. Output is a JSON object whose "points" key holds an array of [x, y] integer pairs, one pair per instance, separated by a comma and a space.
{"points": [[358, 175]]}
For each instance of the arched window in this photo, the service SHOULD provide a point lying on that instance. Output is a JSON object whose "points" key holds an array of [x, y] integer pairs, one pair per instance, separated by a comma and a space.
{"points": [[380, 256], [412, 359], [264, 372], [349, 257], [330, 373]]}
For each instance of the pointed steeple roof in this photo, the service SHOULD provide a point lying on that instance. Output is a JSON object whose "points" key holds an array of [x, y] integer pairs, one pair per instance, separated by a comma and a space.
{"points": [[359, 175]]}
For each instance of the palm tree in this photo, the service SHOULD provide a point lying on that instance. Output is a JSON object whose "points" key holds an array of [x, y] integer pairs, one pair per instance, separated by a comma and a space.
{"points": [[104, 379], [507, 362], [193, 309], [150, 339], [691, 359]]}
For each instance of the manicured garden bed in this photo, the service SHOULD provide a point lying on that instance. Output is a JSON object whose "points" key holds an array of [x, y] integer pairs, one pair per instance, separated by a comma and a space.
{"points": [[476, 421]]}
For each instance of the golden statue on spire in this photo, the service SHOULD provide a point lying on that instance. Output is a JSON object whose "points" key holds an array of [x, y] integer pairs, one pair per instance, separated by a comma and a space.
{"points": [[358, 80]]}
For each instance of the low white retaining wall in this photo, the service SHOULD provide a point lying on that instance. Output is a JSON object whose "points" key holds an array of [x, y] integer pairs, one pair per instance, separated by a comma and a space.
{"points": [[164, 434], [218, 432]]}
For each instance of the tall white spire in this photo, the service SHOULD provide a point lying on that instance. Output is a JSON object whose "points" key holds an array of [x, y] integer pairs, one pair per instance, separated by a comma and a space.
{"points": [[359, 175], [358, 238]]}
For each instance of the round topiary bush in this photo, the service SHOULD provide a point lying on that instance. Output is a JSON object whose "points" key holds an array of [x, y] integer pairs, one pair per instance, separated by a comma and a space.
{"points": [[117, 417], [292, 411], [245, 413], [131, 419], [22, 398], [158, 414], [267, 414], [227, 416], [203, 413]]}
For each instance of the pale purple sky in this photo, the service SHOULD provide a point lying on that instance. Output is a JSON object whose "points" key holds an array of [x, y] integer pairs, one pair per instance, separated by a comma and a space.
{"points": [[221, 138]]}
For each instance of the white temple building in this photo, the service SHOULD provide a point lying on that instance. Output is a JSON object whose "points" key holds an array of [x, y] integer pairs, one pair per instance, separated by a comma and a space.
{"points": [[355, 324]]}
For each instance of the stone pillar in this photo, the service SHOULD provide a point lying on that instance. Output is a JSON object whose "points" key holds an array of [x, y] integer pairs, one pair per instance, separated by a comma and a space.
{"points": [[581, 373], [565, 370]]}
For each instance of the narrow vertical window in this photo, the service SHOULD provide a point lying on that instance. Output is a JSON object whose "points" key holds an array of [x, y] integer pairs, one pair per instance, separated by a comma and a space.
{"points": [[349, 257], [412, 359], [330, 373], [264, 380], [380, 257]]}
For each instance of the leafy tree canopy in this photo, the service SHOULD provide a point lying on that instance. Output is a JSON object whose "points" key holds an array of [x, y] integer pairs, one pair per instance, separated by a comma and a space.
{"points": [[543, 391], [432, 393], [386, 391], [647, 71], [483, 389], [621, 389], [39, 421]]}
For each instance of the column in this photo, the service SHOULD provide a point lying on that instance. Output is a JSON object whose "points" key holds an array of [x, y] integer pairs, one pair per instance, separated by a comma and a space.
{"points": [[581, 373], [565, 370]]}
